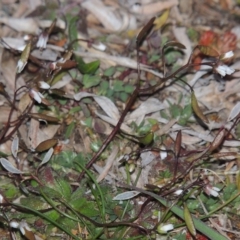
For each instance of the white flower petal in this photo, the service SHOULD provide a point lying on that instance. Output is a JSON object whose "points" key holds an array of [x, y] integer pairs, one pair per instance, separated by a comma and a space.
{"points": [[228, 55], [42, 41], [224, 70], [216, 189], [14, 224], [212, 191], [178, 192], [43, 85], [230, 71], [35, 95]]}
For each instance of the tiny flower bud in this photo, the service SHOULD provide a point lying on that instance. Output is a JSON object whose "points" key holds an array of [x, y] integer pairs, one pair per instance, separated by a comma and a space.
{"points": [[37, 96], [165, 228], [43, 85]]}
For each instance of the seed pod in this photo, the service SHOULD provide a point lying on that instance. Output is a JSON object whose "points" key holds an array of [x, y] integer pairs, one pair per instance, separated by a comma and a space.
{"points": [[24, 58], [178, 142], [189, 220], [197, 109], [44, 117], [147, 139], [217, 140], [45, 145], [131, 167]]}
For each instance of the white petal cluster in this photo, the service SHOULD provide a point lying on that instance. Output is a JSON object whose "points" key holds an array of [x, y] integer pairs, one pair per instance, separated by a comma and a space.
{"points": [[22, 226], [224, 70], [212, 191]]}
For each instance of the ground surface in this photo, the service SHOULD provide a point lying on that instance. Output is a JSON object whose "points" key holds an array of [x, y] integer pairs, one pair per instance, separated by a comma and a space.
{"points": [[102, 136]]}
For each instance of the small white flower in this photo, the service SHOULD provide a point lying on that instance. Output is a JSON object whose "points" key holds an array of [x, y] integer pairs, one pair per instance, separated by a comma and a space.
{"points": [[37, 96], [163, 154], [224, 70], [43, 85], [42, 40], [99, 46], [212, 191], [227, 55], [14, 224], [165, 228], [178, 192]]}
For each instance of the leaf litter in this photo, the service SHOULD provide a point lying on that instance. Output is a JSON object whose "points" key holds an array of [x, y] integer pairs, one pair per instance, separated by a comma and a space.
{"points": [[172, 121]]}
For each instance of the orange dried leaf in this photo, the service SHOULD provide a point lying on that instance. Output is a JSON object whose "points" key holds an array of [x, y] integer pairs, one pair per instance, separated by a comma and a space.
{"points": [[209, 51], [197, 109]]}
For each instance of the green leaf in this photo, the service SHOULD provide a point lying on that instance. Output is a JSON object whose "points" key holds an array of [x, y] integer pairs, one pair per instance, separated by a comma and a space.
{"points": [[78, 193], [10, 191], [189, 221], [147, 139], [118, 86], [104, 85], [36, 203], [67, 223], [187, 111], [64, 188], [109, 72], [90, 68], [52, 214], [44, 216], [90, 210], [79, 203], [72, 31], [175, 111], [91, 81], [50, 192], [70, 129], [123, 96], [86, 68], [128, 88], [64, 159]]}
